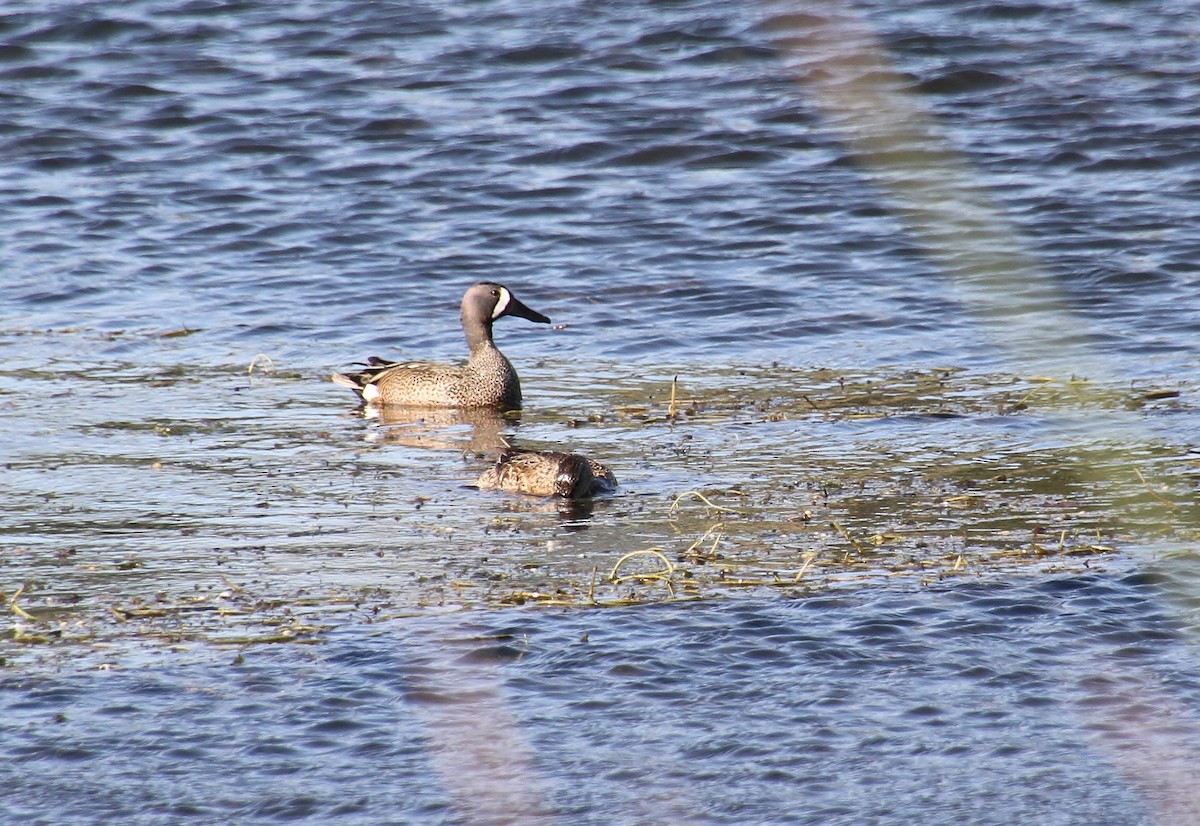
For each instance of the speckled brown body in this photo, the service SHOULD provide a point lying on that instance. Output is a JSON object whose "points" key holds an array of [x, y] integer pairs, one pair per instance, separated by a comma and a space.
{"points": [[488, 379], [548, 473]]}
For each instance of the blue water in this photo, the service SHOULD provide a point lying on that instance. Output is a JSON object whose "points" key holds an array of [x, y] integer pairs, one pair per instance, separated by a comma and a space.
{"points": [[319, 182], [210, 206], [1069, 701]]}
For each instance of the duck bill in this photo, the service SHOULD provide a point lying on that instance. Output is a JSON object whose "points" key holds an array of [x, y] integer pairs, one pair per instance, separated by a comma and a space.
{"points": [[515, 307]]}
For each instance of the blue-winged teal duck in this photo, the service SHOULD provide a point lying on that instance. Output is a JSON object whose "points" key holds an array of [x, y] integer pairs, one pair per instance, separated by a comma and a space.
{"points": [[486, 380], [548, 473]]}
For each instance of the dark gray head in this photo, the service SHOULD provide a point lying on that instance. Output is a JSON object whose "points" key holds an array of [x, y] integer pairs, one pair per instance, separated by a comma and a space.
{"points": [[484, 303]]}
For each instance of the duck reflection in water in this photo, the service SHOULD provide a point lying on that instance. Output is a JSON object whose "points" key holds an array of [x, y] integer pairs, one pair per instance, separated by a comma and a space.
{"points": [[472, 430]]}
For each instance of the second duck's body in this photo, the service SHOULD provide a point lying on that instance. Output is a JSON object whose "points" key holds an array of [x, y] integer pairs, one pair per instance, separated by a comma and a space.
{"points": [[486, 380], [548, 473]]}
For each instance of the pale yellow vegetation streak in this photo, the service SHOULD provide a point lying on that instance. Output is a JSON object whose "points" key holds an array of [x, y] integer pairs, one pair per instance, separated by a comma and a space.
{"points": [[851, 79], [485, 762]]}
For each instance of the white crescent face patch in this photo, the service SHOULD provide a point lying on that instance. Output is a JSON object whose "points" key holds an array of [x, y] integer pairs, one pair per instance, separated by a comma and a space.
{"points": [[501, 303]]}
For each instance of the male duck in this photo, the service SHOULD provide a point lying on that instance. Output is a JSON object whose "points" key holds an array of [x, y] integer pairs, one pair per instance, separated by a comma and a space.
{"points": [[548, 473], [486, 380]]}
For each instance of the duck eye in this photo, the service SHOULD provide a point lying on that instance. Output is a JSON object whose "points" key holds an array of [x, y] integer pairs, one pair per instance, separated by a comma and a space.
{"points": [[496, 293]]}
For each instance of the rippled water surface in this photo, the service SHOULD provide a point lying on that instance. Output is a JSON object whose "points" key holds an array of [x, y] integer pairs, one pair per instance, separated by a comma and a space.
{"points": [[1067, 701], [885, 317]]}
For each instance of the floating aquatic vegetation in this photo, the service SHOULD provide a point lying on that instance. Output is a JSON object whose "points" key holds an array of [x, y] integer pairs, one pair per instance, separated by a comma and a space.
{"points": [[262, 510]]}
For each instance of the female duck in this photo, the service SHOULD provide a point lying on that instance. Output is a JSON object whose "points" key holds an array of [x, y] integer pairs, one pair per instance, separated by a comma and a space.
{"points": [[548, 473], [486, 380]]}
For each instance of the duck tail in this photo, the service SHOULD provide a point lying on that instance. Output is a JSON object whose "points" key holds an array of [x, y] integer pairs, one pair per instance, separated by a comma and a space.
{"points": [[352, 380]]}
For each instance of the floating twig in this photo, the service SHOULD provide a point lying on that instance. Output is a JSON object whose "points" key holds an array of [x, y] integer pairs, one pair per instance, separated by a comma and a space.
{"points": [[698, 495], [712, 552], [1023, 402], [664, 574], [846, 535], [591, 592], [1150, 490], [808, 561], [17, 609], [269, 364]]}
